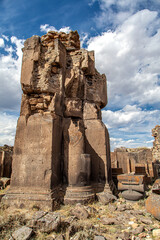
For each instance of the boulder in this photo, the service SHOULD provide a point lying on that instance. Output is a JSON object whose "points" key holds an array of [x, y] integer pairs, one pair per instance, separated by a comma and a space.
{"points": [[132, 195], [23, 233], [153, 205]]}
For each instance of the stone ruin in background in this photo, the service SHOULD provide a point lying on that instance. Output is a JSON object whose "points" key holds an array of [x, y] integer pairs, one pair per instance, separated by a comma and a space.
{"points": [[127, 160], [6, 153], [61, 149], [156, 150], [134, 168]]}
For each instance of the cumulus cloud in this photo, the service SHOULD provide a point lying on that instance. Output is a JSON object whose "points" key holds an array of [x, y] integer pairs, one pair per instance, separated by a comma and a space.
{"points": [[10, 67], [1, 42], [46, 28], [130, 58], [130, 126], [115, 12], [7, 128]]}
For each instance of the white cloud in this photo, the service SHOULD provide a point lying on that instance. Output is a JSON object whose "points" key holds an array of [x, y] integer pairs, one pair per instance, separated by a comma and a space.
{"points": [[46, 28], [7, 128], [10, 90], [10, 68], [5, 37], [115, 12], [130, 126], [1, 42], [130, 58]]}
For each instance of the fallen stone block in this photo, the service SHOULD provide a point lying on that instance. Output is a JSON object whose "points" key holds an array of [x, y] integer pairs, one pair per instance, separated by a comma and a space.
{"points": [[23, 233], [46, 222], [132, 195], [80, 212], [153, 205], [106, 198], [138, 230]]}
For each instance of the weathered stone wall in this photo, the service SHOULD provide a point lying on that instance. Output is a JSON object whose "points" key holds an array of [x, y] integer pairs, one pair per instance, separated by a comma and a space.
{"points": [[156, 144], [6, 153], [129, 158], [59, 131]]}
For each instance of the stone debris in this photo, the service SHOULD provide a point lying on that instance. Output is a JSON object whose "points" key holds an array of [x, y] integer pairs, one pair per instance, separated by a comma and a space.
{"points": [[108, 221], [106, 198], [117, 220], [46, 222], [156, 232], [23, 233], [80, 212], [138, 230], [61, 151]]}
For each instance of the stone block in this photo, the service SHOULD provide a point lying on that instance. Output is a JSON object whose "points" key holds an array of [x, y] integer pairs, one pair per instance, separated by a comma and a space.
{"points": [[38, 76], [73, 108], [91, 111], [87, 64], [153, 205], [96, 89], [23, 233], [46, 223], [132, 195], [123, 161]]}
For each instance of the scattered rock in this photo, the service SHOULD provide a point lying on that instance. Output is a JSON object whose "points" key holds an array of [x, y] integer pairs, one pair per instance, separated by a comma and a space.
{"points": [[124, 207], [142, 235], [99, 238], [80, 212], [146, 220], [156, 232], [124, 235], [60, 237], [106, 198], [23, 233], [90, 210], [45, 222], [108, 221], [74, 228], [138, 230]]}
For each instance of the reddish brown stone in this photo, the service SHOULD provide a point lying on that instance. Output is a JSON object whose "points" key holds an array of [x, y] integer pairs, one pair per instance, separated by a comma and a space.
{"points": [[153, 205], [62, 149]]}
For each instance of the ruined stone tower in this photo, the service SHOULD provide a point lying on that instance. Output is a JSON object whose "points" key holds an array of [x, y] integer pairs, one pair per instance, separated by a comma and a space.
{"points": [[61, 149]]}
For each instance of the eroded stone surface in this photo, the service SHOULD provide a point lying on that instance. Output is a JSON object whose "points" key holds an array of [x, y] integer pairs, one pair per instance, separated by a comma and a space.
{"points": [[60, 138]]}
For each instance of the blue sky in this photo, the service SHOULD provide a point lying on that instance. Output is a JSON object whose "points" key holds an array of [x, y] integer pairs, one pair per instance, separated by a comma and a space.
{"points": [[125, 36]]}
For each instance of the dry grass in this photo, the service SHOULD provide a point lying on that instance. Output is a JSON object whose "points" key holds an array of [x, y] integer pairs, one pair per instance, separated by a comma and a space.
{"points": [[11, 219]]}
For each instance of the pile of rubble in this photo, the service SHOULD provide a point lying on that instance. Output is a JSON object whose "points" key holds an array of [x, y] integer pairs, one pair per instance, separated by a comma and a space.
{"points": [[117, 220]]}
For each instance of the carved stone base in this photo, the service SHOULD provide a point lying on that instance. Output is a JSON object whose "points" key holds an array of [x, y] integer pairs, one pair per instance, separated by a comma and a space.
{"points": [[83, 195], [25, 198]]}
